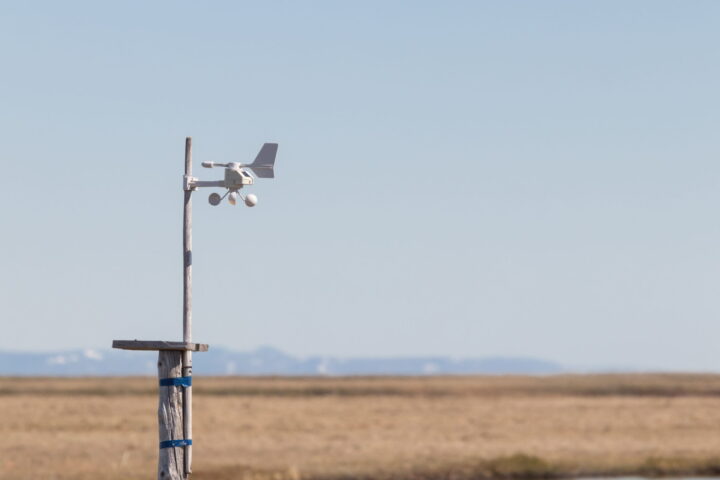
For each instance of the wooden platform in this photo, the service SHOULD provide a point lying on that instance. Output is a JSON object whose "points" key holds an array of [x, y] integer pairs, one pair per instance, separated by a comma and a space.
{"points": [[159, 345]]}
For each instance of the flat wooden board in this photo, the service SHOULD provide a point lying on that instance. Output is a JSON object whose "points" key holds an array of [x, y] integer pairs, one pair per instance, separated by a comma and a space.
{"points": [[159, 345]]}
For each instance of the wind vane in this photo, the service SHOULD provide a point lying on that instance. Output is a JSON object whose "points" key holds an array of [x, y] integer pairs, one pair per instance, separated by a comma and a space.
{"points": [[175, 358]]}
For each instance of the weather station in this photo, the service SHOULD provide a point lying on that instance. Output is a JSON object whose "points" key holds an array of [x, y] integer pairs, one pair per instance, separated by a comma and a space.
{"points": [[175, 358]]}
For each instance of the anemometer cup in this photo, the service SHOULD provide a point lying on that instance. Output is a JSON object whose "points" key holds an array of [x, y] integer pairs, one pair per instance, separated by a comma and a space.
{"points": [[214, 199]]}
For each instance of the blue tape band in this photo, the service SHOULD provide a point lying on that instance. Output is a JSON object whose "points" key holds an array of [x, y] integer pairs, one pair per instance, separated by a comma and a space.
{"points": [[176, 382], [176, 443]]}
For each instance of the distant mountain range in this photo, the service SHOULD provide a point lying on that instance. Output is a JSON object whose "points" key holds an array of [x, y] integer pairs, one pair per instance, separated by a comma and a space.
{"points": [[262, 361]]}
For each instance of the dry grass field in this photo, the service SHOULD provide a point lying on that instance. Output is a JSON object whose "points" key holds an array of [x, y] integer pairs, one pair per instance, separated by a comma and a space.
{"points": [[386, 428]]}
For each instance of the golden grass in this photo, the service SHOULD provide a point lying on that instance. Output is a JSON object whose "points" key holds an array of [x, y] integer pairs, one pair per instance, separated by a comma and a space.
{"points": [[369, 428]]}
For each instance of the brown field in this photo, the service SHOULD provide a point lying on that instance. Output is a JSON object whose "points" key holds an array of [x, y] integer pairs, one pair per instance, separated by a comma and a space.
{"points": [[386, 428]]}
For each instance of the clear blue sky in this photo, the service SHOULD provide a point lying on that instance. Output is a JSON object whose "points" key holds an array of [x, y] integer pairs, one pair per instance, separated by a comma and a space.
{"points": [[460, 178]]}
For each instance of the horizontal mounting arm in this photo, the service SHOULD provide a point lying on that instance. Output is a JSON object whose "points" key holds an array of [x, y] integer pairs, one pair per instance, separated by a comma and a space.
{"points": [[192, 183], [209, 183]]}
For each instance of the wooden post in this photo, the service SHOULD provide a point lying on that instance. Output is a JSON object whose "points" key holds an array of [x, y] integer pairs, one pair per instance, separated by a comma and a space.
{"points": [[171, 460], [187, 307], [175, 363]]}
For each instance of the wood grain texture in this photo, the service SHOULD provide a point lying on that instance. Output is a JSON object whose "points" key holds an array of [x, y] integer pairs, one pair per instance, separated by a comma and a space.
{"points": [[159, 345], [171, 461]]}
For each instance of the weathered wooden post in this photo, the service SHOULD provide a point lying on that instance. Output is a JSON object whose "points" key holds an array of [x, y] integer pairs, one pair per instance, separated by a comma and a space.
{"points": [[173, 459], [175, 363], [175, 358]]}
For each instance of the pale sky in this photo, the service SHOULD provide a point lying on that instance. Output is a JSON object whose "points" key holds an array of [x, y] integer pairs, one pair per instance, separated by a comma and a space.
{"points": [[457, 178]]}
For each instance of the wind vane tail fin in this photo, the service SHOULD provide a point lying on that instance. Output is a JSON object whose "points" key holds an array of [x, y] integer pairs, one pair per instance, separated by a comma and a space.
{"points": [[264, 164]]}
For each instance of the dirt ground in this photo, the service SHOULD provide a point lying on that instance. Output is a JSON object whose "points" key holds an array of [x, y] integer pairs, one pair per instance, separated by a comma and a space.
{"points": [[386, 428]]}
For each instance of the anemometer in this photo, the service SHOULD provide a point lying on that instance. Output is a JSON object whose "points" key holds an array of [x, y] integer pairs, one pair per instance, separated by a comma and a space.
{"points": [[237, 176]]}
